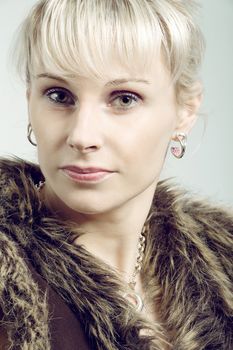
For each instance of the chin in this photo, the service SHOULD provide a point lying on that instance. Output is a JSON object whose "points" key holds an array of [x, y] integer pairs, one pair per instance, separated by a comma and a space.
{"points": [[87, 208]]}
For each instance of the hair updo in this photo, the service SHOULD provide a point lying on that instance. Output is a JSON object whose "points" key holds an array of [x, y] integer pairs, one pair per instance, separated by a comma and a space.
{"points": [[82, 37]]}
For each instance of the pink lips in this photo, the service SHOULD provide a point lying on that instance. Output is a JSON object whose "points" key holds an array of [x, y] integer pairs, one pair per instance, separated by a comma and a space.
{"points": [[90, 174]]}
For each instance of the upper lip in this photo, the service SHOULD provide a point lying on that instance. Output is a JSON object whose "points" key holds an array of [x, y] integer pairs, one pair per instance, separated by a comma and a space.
{"points": [[83, 170]]}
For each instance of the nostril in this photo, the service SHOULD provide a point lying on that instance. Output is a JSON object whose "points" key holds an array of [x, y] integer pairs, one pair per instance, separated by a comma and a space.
{"points": [[88, 141], [83, 149]]}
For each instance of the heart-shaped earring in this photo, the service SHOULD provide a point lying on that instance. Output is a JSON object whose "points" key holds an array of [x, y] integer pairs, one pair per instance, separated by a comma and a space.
{"points": [[179, 152]]}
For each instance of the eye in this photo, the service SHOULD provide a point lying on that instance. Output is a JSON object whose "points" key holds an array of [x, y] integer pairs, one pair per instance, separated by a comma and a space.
{"points": [[60, 96], [125, 100]]}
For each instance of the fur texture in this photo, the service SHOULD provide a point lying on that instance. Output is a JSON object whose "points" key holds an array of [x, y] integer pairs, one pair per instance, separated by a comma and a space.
{"points": [[187, 271]]}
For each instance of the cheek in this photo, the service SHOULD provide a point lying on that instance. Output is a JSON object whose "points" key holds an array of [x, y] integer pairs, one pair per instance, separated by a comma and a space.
{"points": [[47, 130], [148, 143]]}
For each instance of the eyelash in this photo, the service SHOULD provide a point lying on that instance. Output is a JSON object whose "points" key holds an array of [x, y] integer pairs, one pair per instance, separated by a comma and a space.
{"points": [[72, 100], [57, 90]]}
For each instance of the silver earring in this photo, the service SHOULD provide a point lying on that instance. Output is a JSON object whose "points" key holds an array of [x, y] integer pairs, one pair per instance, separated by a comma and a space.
{"points": [[40, 186], [179, 152], [29, 135]]}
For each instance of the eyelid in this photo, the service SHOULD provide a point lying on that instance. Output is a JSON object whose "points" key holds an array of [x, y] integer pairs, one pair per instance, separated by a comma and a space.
{"points": [[113, 95], [57, 89], [72, 99], [126, 92], [137, 98]]}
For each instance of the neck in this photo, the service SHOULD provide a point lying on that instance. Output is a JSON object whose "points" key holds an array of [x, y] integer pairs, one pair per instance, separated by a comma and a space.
{"points": [[115, 241], [113, 236]]}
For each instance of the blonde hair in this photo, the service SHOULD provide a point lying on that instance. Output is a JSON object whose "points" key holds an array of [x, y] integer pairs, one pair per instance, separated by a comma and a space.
{"points": [[82, 37]]}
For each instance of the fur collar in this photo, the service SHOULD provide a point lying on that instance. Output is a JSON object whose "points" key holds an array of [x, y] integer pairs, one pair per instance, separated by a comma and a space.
{"points": [[188, 266]]}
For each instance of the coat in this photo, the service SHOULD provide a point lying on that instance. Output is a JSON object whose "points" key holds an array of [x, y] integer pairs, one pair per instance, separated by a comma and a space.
{"points": [[54, 295]]}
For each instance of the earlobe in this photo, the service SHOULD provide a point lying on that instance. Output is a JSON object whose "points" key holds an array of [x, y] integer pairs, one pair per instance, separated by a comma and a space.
{"points": [[185, 124]]}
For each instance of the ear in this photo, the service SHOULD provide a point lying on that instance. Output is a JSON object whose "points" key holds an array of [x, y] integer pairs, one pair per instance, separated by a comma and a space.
{"points": [[187, 115]]}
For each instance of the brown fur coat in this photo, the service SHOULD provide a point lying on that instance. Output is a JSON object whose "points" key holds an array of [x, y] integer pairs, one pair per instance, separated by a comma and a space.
{"points": [[188, 271]]}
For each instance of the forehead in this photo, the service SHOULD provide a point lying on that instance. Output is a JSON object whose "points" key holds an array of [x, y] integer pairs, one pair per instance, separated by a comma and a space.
{"points": [[115, 72], [84, 42]]}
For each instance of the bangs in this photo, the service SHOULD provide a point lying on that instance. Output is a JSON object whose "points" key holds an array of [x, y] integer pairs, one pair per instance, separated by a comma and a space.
{"points": [[88, 37], [84, 37]]}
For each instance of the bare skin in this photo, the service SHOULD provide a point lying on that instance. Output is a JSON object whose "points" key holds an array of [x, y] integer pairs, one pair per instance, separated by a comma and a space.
{"points": [[93, 123]]}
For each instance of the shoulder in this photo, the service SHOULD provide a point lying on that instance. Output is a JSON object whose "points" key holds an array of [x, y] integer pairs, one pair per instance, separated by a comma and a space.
{"points": [[16, 176], [14, 168], [18, 201], [188, 208], [199, 224]]}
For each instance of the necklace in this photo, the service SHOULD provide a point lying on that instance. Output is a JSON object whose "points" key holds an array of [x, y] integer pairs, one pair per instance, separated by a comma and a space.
{"points": [[131, 295]]}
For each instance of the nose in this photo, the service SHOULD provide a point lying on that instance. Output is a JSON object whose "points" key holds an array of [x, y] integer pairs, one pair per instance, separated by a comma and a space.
{"points": [[85, 134]]}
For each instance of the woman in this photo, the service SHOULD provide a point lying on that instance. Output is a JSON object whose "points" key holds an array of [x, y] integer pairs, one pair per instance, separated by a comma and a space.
{"points": [[96, 252]]}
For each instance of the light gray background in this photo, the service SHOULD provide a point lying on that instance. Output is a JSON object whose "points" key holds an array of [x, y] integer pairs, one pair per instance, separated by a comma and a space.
{"points": [[207, 169]]}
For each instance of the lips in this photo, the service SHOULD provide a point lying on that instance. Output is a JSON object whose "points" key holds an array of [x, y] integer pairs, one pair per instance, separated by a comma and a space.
{"points": [[88, 170], [88, 175]]}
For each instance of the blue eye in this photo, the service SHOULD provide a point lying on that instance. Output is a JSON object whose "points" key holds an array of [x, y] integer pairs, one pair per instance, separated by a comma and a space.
{"points": [[125, 100], [60, 96]]}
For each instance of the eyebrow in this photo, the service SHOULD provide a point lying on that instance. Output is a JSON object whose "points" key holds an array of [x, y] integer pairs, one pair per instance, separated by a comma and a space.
{"points": [[110, 83], [50, 76], [122, 81]]}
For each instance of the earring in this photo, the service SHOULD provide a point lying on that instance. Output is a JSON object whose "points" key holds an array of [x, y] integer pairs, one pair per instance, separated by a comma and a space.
{"points": [[29, 135], [40, 186], [176, 151]]}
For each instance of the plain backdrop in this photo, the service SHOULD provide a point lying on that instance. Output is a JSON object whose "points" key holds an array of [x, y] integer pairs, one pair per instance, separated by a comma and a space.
{"points": [[207, 168]]}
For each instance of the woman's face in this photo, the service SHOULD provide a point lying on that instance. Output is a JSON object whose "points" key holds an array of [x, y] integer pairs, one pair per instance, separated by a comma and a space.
{"points": [[116, 131]]}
